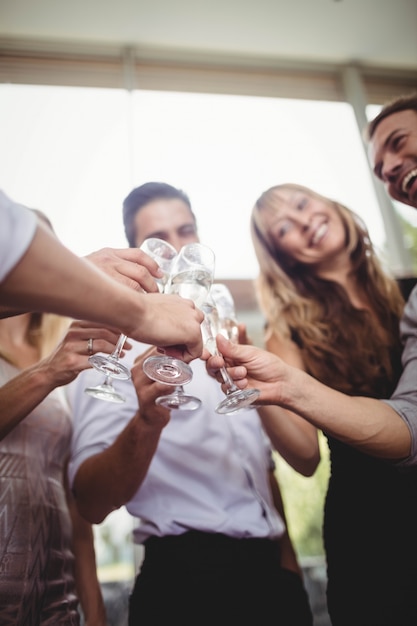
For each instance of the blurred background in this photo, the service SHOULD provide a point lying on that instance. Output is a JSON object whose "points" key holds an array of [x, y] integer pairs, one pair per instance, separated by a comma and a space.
{"points": [[221, 99]]}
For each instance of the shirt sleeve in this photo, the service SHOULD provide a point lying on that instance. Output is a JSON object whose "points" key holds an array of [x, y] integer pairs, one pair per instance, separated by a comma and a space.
{"points": [[96, 424], [404, 398], [18, 226]]}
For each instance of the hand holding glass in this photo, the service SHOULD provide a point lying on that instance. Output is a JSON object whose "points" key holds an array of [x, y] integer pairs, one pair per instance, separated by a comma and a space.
{"points": [[164, 254], [220, 317]]}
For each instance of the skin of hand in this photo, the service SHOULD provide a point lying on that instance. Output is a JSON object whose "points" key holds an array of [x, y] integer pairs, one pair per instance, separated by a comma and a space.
{"points": [[71, 356], [130, 266], [173, 324], [59, 368], [105, 481], [136, 269], [369, 425]]}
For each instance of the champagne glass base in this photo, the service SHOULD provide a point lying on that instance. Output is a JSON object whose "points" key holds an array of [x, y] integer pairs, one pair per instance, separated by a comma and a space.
{"points": [[109, 366], [180, 401], [237, 400], [166, 369], [105, 392]]}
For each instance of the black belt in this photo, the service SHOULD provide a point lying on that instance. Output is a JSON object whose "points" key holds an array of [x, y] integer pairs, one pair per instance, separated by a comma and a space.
{"points": [[212, 548]]}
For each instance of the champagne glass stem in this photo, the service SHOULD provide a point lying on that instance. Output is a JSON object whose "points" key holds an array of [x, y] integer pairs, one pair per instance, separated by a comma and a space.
{"points": [[226, 378], [210, 343], [115, 355]]}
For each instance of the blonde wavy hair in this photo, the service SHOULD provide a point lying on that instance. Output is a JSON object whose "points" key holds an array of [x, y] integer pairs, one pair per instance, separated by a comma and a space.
{"points": [[340, 344]]}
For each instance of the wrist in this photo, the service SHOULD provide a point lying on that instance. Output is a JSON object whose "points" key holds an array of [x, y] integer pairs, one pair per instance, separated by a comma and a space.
{"points": [[152, 420], [41, 378], [133, 314], [290, 388]]}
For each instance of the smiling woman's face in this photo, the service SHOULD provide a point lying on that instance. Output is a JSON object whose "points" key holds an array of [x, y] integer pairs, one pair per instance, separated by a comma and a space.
{"points": [[306, 228]]}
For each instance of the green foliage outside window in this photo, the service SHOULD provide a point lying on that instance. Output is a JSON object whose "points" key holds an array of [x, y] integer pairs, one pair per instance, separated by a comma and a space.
{"points": [[304, 502]]}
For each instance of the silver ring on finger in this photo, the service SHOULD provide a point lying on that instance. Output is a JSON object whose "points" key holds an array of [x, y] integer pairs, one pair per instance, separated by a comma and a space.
{"points": [[90, 346]]}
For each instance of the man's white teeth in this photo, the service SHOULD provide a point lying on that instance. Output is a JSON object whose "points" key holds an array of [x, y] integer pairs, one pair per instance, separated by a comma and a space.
{"points": [[407, 179], [319, 233]]}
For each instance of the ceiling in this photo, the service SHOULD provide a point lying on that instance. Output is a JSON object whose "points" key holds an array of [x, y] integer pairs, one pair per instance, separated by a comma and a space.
{"points": [[379, 33]]}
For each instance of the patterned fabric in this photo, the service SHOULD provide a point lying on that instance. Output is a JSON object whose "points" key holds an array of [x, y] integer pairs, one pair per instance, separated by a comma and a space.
{"points": [[36, 562]]}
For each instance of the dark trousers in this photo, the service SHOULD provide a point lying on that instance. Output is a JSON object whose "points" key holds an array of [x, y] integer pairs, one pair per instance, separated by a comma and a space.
{"points": [[205, 579]]}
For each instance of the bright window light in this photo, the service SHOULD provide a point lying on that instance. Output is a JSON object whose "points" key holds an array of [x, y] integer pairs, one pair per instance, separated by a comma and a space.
{"points": [[76, 153]]}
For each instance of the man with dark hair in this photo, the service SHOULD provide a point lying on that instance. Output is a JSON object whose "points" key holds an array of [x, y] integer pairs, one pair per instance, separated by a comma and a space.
{"points": [[216, 547], [140, 196]]}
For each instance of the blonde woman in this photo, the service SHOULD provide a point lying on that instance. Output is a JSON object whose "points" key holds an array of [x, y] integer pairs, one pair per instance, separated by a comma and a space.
{"points": [[46, 548], [332, 311]]}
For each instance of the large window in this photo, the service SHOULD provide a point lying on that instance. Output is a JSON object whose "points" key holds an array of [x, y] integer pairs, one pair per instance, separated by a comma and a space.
{"points": [[75, 153]]}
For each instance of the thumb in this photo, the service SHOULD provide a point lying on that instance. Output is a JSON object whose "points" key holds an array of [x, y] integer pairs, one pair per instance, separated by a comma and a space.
{"points": [[224, 346]]}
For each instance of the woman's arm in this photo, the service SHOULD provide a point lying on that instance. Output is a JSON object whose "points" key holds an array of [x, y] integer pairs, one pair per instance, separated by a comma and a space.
{"points": [[292, 436], [364, 423], [59, 368]]}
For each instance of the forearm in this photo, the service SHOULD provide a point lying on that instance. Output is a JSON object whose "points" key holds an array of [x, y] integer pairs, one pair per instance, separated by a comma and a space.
{"points": [[49, 277], [365, 423], [294, 438], [16, 405], [109, 479]]}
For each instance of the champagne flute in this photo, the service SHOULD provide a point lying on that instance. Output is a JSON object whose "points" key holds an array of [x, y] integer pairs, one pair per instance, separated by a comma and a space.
{"points": [[105, 391], [225, 305], [235, 398], [179, 400], [228, 325], [191, 277], [164, 254]]}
